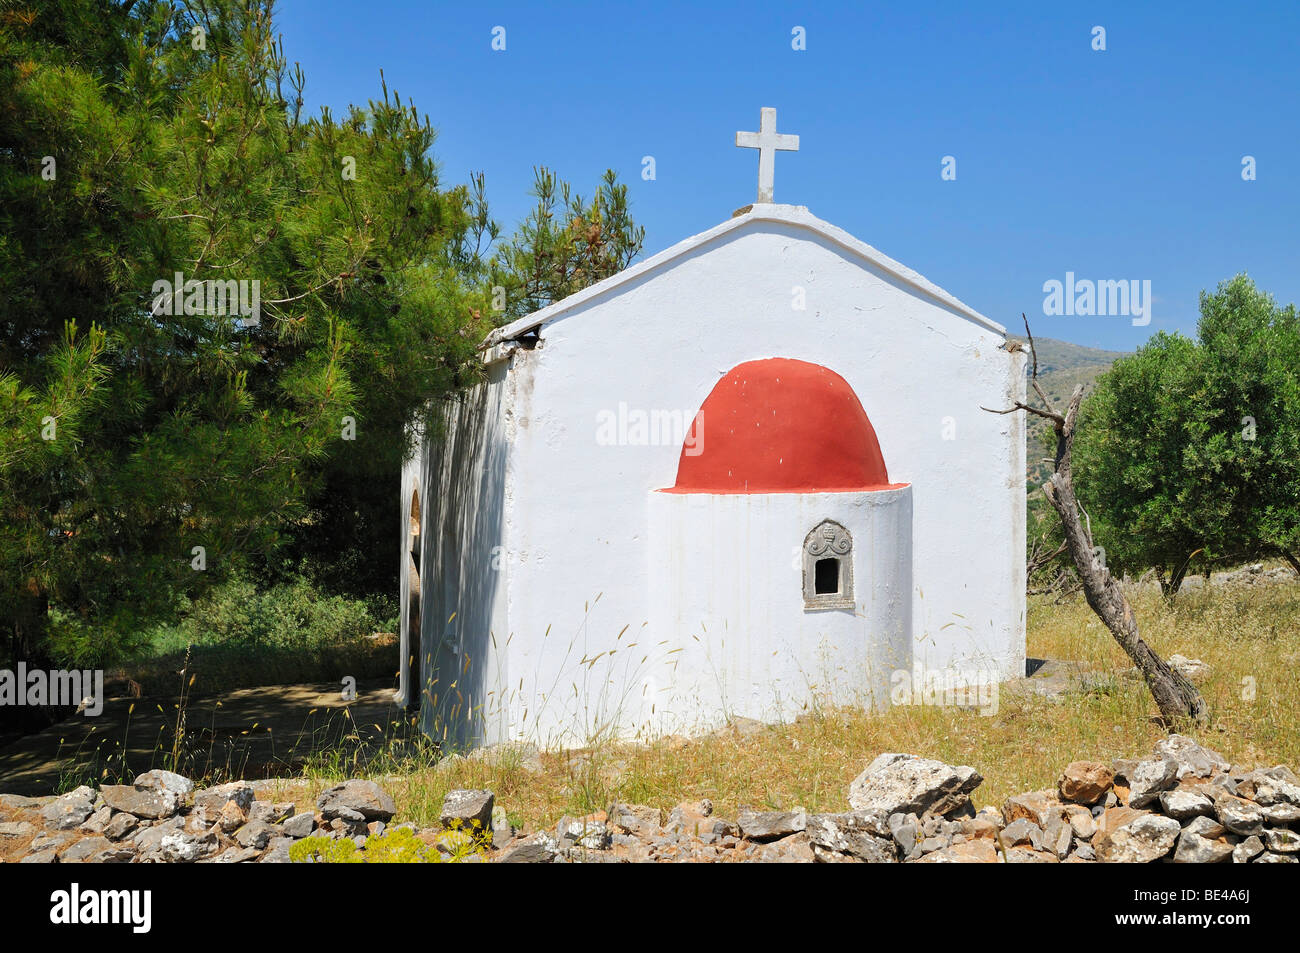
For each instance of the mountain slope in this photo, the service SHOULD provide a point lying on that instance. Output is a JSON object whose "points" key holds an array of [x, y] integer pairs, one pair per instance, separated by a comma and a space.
{"points": [[1061, 367]]}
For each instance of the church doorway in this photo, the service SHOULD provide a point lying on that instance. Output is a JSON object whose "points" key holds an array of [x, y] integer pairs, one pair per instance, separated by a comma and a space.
{"points": [[414, 666]]}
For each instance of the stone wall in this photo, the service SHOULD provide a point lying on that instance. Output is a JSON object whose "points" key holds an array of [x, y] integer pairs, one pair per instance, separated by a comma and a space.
{"points": [[1182, 804]]}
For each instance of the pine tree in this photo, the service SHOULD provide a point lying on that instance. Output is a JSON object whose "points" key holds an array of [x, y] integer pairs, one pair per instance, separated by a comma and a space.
{"points": [[155, 161]]}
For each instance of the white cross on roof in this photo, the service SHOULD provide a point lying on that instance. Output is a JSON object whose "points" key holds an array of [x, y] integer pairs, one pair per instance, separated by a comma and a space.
{"points": [[767, 142]]}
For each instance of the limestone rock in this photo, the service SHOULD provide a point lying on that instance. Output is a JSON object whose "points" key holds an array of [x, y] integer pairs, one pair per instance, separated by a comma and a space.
{"points": [[978, 851], [862, 834], [1269, 791], [589, 833], [1205, 827], [120, 825], [299, 825], [1021, 832], [905, 829], [1183, 805], [795, 849], [502, 830], [771, 825], [212, 800], [1280, 813], [70, 810], [1058, 836], [277, 851], [180, 848], [237, 855], [636, 819], [1247, 850], [1239, 815], [906, 784], [45, 841], [97, 821], [1282, 841], [1195, 849], [95, 850], [232, 817], [17, 829], [1027, 855], [1085, 782], [984, 828], [1036, 806], [1081, 822], [18, 802], [536, 849], [697, 820], [1149, 779], [365, 798], [822, 855], [141, 802], [165, 782], [1139, 840], [467, 809], [1193, 760], [270, 812], [256, 834]]}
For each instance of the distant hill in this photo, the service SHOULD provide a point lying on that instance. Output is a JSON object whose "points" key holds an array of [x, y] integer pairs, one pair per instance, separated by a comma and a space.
{"points": [[1061, 366]]}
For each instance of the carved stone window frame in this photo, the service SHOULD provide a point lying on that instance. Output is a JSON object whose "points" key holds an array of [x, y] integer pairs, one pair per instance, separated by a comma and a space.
{"points": [[828, 540]]}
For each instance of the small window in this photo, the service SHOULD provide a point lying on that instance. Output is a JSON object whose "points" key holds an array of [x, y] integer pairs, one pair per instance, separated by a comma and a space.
{"points": [[828, 567], [828, 577]]}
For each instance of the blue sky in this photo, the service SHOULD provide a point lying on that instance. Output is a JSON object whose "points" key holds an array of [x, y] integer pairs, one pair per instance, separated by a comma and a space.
{"points": [[1122, 164]]}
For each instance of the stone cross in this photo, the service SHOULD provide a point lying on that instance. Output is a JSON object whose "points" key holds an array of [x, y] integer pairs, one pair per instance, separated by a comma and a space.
{"points": [[767, 142]]}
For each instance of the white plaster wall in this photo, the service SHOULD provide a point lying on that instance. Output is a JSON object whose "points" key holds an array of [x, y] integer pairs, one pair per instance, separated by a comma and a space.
{"points": [[728, 600], [578, 555], [463, 474]]}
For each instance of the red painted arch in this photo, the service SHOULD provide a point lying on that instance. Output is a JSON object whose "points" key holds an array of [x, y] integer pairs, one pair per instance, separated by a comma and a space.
{"points": [[781, 426]]}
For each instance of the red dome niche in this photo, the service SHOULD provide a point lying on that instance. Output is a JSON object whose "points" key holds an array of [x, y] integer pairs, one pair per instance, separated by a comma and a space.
{"points": [[781, 426]]}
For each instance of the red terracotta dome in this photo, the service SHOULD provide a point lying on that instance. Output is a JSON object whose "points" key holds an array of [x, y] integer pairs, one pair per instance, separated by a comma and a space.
{"points": [[781, 426]]}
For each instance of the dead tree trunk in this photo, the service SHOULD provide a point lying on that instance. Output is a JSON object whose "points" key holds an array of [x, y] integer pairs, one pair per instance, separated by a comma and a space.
{"points": [[1177, 698], [1290, 557]]}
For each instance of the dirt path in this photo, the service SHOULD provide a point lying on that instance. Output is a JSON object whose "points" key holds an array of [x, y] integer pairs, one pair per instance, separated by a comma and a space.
{"points": [[253, 733]]}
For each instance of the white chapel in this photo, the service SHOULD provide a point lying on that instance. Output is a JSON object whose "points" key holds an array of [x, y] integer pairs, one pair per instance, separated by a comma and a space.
{"points": [[748, 477]]}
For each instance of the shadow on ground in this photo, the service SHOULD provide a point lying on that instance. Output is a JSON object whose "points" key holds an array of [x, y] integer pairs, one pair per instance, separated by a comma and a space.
{"points": [[269, 731]]}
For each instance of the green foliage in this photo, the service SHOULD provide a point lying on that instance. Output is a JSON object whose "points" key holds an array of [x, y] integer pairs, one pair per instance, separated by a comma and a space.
{"points": [[323, 850], [133, 431], [564, 244], [1166, 461], [294, 613], [396, 846]]}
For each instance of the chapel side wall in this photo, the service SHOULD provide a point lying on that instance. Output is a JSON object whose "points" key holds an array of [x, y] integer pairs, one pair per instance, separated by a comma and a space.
{"points": [[736, 651], [579, 561], [410, 485], [463, 573]]}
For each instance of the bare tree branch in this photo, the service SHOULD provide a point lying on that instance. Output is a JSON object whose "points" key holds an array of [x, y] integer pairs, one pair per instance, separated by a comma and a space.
{"points": [[1177, 698]]}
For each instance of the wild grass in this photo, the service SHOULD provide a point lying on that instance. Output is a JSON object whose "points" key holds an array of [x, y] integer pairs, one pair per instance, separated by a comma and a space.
{"points": [[1249, 636]]}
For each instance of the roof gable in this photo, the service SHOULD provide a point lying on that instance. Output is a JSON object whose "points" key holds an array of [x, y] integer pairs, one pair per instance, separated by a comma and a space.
{"points": [[792, 215]]}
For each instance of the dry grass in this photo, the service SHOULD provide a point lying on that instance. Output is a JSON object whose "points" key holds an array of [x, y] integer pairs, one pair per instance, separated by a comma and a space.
{"points": [[1242, 633]]}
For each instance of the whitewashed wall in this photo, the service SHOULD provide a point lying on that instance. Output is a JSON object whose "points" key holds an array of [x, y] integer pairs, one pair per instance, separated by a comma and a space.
{"points": [[727, 598], [578, 552], [462, 478]]}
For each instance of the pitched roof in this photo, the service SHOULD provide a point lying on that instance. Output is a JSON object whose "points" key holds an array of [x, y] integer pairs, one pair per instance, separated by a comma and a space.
{"points": [[795, 215]]}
